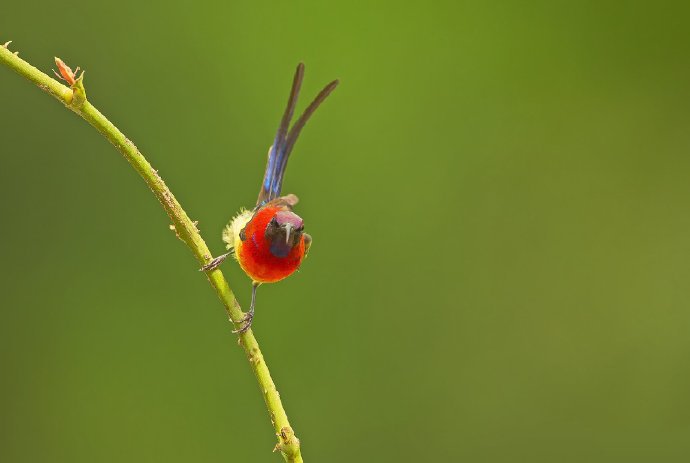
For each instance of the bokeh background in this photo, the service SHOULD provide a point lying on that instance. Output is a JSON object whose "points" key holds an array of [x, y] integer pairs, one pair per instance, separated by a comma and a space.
{"points": [[498, 194]]}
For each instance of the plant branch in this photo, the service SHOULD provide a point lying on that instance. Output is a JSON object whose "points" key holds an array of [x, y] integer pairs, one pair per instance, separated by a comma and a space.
{"points": [[74, 98]]}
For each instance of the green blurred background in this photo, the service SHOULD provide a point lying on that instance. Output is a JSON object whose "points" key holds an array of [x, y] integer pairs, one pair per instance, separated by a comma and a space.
{"points": [[498, 194]]}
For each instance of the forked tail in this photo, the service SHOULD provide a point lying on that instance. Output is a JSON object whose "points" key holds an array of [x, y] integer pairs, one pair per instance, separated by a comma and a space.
{"points": [[286, 137]]}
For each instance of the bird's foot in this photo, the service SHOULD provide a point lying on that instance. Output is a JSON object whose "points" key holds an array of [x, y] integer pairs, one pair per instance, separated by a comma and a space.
{"points": [[215, 262], [246, 322]]}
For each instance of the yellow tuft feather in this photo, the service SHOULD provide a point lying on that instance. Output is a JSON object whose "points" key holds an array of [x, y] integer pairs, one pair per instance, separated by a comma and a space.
{"points": [[231, 232]]}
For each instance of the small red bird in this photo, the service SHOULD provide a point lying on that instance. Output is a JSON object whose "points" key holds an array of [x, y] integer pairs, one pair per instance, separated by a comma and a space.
{"points": [[269, 241]]}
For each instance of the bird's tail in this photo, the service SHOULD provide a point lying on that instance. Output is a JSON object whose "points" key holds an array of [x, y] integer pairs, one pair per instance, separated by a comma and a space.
{"points": [[286, 137]]}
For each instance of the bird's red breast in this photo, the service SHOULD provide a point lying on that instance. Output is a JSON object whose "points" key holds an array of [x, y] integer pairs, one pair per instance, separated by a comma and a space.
{"points": [[254, 252]]}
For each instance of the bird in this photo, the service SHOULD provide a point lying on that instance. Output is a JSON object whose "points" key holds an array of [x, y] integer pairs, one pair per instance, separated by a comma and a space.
{"points": [[268, 241]]}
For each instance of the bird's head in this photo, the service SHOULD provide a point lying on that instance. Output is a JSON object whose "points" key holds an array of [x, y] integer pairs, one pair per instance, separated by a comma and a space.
{"points": [[284, 232]]}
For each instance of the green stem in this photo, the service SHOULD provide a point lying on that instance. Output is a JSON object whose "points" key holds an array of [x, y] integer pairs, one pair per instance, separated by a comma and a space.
{"points": [[75, 99]]}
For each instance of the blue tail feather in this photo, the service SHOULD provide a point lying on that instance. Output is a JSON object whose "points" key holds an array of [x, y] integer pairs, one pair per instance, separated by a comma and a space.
{"points": [[285, 139]]}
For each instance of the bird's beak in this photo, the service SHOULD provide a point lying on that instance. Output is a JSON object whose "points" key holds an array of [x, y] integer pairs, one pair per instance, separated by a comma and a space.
{"points": [[288, 230]]}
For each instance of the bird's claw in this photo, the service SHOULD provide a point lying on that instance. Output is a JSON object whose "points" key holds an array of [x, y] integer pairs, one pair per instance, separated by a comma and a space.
{"points": [[215, 262], [246, 323]]}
